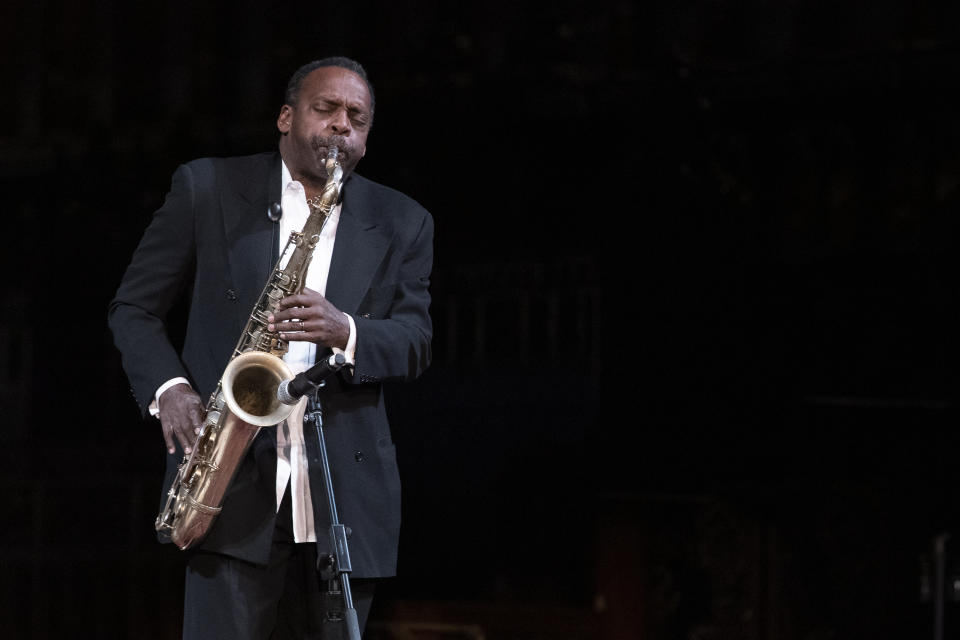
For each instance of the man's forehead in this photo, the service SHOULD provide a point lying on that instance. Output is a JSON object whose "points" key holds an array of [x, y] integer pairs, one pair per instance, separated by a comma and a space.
{"points": [[337, 81]]}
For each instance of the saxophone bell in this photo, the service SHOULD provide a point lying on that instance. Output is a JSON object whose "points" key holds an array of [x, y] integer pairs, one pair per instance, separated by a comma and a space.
{"points": [[247, 400], [250, 385]]}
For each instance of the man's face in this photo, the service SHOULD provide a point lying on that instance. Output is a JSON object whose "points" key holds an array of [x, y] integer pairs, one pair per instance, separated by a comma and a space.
{"points": [[333, 109]]}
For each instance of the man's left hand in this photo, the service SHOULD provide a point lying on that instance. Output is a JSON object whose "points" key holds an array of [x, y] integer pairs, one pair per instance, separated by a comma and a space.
{"points": [[308, 316]]}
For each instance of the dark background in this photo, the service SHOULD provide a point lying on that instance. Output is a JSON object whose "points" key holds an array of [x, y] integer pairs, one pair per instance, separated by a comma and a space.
{"points": [[694, 297]]}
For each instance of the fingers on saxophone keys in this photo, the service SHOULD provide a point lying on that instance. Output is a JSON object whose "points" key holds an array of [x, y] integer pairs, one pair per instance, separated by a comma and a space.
{"points": [[295, 332], [173, 430], [183, 435], [168, 438], [296, 300], [281, 322], [282, 325]]}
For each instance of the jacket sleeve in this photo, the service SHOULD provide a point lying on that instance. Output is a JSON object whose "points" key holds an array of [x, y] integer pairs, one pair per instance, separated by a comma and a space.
{"points": [[158, 272], [398, 345]]}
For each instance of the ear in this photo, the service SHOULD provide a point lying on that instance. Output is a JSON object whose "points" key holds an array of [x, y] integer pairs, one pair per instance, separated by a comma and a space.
{"points": [[283, 120]]}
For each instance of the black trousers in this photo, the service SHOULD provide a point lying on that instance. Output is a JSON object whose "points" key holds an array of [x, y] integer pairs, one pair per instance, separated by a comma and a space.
{"points": [[236, 600]]}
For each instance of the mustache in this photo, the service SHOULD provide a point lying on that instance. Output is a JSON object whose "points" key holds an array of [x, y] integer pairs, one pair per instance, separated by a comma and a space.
{"points": [[323, 143]]}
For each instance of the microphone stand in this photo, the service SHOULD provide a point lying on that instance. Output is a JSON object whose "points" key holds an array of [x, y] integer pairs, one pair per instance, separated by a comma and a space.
{"points": [[335, 567]]}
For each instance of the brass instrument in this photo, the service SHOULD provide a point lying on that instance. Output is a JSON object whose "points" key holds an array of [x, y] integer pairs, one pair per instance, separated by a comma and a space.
{"points": [[246, 396]]}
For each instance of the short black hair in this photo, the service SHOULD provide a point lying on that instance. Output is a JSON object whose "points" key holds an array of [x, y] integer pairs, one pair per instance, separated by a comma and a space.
{"points": [[296, 80]]}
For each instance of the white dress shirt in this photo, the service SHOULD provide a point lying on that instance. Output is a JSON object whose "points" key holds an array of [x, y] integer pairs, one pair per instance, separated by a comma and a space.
{"points": [[291, 449]]}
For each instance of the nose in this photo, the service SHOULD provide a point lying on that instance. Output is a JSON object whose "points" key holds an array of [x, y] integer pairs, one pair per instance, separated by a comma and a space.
{"points": [[340, 122]]}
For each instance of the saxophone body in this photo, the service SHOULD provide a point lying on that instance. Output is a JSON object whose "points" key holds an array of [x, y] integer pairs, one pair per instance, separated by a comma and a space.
{"points": [[245, 399]]}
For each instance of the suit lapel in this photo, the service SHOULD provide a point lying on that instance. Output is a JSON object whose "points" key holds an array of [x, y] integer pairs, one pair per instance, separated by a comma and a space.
{"points": [[359, 249], [251, 236]]}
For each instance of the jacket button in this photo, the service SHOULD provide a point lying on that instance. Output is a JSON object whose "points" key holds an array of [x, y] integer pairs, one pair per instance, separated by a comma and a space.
{"points": [[358, 456], [231, 294]]}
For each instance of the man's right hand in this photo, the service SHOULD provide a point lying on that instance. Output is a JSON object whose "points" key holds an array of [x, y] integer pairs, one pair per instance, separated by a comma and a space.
{"points": [[181, 413]]}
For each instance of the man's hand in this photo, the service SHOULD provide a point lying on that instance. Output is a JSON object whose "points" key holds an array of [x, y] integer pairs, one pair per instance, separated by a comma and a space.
{"points": [[181, 413], [310, 317]]}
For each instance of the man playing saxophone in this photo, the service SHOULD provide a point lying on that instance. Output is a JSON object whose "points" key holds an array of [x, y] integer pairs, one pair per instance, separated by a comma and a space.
{"points": [[215, 240]]}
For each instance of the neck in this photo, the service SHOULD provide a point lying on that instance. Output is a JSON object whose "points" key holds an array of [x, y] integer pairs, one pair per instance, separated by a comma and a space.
{"points": [[311, 186], [312, 183]]}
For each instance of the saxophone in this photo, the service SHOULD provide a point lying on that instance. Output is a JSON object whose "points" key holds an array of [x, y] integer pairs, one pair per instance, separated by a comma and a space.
{"points": [[246, 396]]}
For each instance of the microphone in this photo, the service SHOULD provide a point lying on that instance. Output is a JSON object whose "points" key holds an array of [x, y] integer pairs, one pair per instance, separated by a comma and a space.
{"points": [[274, 212], [290, 391]]}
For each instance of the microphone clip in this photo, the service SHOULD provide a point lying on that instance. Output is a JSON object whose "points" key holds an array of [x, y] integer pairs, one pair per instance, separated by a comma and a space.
{"points": [[274, 212], [290, 391]]}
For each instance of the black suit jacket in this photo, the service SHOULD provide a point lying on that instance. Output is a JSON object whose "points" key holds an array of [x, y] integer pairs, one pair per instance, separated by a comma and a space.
{"points": [[213, 242]]}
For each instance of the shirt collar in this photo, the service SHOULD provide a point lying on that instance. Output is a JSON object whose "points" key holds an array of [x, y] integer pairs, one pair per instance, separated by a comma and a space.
{"points": [[285, 178]]}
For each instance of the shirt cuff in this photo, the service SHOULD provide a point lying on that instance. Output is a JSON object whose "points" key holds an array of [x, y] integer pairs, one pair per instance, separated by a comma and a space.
{"points": [[154, 407], [350, 352]]}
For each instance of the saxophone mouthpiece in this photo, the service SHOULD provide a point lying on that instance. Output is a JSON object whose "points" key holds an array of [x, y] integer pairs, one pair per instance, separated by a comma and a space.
{"points": [[332, 154]]}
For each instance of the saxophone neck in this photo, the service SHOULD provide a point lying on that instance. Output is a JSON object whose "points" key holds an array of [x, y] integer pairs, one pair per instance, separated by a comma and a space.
{"points": [[328, 198]]}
